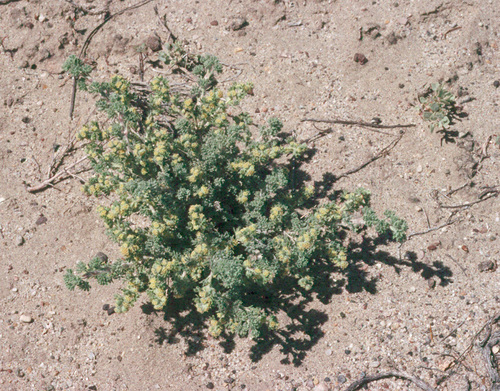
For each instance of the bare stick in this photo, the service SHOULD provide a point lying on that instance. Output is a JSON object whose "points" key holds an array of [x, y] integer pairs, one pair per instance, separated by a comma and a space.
{"points": [[49, 182], [382, 152], [163, 22], [73, 96], [359, 123], [83, 51], [489, 194], [452, 331], [430, 229], [464, 270], [401, 375]]}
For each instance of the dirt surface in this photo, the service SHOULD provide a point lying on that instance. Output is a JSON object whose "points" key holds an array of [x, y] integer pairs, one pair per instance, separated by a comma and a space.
{"points": [[415, 309]]}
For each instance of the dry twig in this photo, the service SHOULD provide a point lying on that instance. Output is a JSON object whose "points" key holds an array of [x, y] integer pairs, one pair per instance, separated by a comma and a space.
{"points": [[401, 375], [381, 153], [410, 235], [50, 181]]}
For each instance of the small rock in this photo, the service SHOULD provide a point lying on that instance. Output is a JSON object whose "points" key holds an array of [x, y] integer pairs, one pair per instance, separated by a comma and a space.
{"points": [[496, 84], [341, 379], [358, 57], [486, 266], [310, 383], [229, 380], [420, 168], [26, 120], [41, 220], [210, 385], [26, 319], [19, 240], [495, 349], [392, 38], [238, 24], [328, 352], [189, 20], [374, 364], [432, 284], [401, 85], [133, 70], [321, 387], [24, 64], [9, 101], [214, 23], [153, 42], [45, 54]]}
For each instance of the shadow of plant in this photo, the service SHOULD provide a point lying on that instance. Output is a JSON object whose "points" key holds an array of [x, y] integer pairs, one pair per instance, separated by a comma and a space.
{"points": [[303, 328]]}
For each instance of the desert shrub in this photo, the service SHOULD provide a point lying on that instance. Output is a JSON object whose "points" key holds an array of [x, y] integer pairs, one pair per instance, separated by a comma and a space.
{"points": [[202, 207]]}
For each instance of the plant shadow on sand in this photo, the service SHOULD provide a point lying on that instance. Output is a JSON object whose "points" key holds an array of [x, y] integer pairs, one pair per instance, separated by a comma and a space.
{"points": [[301, 326]]}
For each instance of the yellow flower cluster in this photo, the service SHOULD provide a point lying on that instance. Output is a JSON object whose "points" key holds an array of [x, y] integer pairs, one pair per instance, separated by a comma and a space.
{"points": [[195, 174], [215, 328], [205, 299], [120, 84], [338, 257], [129, 249], [243, 197], [188, 142], [306, 240], [202, 191], [157, 228], [196, 216], [245, 234], [243, 168], [159, 152], [276, 213]]}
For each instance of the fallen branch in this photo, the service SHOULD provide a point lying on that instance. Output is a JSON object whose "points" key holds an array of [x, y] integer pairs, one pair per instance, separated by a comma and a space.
{"points": [[50, 181], [359, 123], [483, 197], [490, 340], [381, 153], [410, 235], [400, 375]]}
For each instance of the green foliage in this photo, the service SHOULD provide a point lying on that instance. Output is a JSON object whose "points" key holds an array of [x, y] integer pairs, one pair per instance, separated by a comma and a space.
{"points": [[78, 69], [438, 106], [202, 208]]}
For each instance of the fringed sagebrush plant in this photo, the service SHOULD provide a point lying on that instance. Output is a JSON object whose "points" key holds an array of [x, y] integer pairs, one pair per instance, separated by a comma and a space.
{"points": [[202, 208]]}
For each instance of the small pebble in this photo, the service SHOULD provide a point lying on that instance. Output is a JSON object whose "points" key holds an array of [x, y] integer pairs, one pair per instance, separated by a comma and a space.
{"points": [[358, 57], [374, 364], [210, 385], [19, 240], [310, 383], [153, 42], [26, 319], [238, 24], [341, 379], [432, 284], [328, 352], [214, 23], [41, 220], [486, 266], [496, 84], [495, 349]]}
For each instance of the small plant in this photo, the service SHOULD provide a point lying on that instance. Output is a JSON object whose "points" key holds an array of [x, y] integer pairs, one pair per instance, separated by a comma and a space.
{"points": [[438, 106], [203, 209]]}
